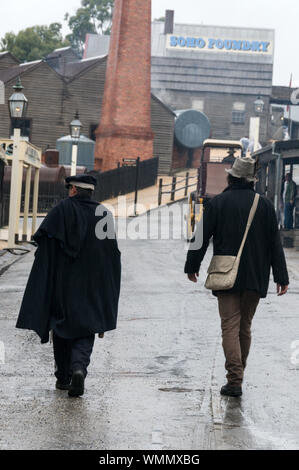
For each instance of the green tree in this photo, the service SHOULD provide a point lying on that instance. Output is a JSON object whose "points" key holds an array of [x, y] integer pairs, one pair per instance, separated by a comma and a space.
{"points": [[94, 16], [34, 43]]}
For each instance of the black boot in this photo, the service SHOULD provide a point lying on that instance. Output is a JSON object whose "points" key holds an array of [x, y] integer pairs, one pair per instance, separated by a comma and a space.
{"points": [[231, 390], [77, 384], [62, 386]]}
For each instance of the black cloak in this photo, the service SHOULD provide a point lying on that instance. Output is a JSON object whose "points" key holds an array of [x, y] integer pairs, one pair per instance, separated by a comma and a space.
{"points": [[74, 283]]}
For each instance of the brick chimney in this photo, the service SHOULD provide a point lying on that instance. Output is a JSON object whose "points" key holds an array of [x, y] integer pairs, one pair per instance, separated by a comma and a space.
{"points": [[125, 125]]}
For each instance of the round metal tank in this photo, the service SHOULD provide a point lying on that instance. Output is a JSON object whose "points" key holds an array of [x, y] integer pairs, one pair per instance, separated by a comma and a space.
{"points": [[192, 128], [47, 176], [85, 151]]}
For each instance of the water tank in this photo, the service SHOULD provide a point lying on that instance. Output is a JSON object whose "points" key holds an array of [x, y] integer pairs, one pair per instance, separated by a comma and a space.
{"points": [[85, 151], [192, 128]]}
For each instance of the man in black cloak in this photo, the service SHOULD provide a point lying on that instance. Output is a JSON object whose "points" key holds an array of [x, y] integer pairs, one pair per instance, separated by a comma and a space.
{"points": [[74, 285]]}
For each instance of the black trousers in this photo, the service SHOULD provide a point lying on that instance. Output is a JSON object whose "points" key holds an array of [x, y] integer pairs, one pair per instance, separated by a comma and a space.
{"points": [[71, 355]]}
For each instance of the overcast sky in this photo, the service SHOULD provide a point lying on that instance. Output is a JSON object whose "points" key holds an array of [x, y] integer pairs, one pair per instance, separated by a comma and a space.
{"points": [[281, 16]]}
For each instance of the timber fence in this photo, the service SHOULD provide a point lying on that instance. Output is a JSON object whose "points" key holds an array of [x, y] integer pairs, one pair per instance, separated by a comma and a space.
{"points": [[178, 184]]}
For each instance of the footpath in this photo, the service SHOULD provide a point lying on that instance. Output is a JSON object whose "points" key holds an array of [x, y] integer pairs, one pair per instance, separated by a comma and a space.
{"points": [[154, 382]]}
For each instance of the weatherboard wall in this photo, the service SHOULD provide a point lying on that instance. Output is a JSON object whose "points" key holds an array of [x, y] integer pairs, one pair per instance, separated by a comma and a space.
{"points": [[54, 99]]}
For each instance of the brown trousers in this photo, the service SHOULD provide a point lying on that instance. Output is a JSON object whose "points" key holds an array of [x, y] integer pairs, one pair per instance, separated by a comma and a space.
{"points": [[236, 312]]}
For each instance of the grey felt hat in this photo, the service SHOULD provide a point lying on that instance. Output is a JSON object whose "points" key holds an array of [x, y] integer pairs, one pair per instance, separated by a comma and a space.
{"points": [[244, 168]]}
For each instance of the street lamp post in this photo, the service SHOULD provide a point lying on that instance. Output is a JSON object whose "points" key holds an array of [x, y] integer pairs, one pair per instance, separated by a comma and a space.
{"points": [[17, 105], [75, 130], [259, 105], [254, 131]]}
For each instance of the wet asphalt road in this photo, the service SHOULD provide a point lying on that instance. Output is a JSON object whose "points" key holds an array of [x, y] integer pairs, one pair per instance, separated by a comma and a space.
{"points": [[154, 382]]}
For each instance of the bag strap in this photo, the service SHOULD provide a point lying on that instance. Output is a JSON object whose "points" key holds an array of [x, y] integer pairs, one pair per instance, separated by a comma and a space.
{"points": [[249, 222]]}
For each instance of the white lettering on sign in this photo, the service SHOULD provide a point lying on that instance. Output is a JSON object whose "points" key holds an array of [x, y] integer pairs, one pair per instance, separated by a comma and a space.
{"points": [[218, 45]]}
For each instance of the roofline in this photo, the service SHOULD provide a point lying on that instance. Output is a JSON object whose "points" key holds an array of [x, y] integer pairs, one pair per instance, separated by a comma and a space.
{"points": [[274, 147], [57, 53], [163, 104], [94, 58], [33, 67], [221, 143], [64, 78], [263, 150], [21, 72], [97, 61], [63, 48], [31, 62], [11, 55]]}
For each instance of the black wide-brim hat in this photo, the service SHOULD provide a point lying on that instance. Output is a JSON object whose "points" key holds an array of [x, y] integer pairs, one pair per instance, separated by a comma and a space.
{"points": [[82, 181]]}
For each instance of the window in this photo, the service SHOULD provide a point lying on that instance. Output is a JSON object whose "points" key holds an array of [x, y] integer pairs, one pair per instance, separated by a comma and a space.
{"points": [[198, 105], [238, 117], [25, 125]]}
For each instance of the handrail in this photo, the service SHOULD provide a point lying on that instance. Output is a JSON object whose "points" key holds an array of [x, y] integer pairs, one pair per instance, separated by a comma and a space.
{"points": [[183, 179], [174, 188]]}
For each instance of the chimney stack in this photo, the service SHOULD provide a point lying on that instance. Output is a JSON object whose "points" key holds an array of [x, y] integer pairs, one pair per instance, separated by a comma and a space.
{"points": [[169, 22], [125, 125]]}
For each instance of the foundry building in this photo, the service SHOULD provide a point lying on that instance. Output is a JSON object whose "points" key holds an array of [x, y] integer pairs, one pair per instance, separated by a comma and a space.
{"points": [[217, 70]]}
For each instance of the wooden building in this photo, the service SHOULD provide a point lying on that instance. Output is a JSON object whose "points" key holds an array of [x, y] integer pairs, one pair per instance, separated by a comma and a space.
{"points": [[59, 86]]}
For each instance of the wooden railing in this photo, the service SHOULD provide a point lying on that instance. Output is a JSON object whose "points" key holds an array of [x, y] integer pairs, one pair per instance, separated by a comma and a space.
{"points": [[176, 181]]}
